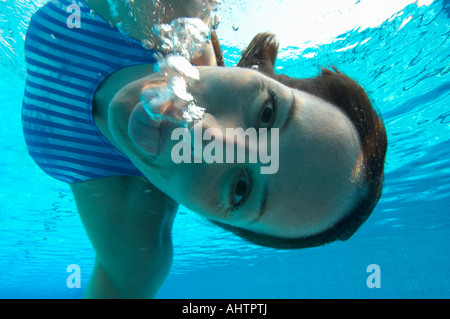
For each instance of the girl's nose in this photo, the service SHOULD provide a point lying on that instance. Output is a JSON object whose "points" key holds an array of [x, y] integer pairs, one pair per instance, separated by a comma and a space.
{"points": [[212, 142]]}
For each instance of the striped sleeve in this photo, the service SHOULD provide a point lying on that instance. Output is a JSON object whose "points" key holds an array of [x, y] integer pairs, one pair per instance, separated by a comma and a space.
{"points": [[64, 68]]}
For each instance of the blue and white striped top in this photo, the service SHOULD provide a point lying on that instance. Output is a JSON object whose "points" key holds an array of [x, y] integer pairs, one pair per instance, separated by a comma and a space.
{"points": [[64, 68]]}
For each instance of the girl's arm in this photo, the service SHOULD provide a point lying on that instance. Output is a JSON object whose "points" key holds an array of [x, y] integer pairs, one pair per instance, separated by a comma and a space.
{"points": [[129, 223]]}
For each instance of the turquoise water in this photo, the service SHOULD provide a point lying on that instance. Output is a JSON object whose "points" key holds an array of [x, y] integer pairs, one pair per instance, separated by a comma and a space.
{"points": [[403, 62]]}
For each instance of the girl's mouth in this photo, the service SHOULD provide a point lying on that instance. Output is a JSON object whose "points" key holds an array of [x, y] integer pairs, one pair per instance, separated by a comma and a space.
{"points": [[144, 131]]}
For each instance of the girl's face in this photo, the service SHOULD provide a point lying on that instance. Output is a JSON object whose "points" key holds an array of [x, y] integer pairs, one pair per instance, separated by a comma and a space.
{"points": [[304, 175]]}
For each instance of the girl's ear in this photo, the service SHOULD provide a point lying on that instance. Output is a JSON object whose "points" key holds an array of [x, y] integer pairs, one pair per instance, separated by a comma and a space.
{"points": [[261, 52]]}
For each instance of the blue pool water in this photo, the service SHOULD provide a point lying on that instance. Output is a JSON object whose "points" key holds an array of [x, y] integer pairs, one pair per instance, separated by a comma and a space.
{"points": [[401, 58]]}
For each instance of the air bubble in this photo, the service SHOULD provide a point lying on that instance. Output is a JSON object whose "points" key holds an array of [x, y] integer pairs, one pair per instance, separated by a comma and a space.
{"points": [[181, 40], [113, 8], [184, 36], [148, 44], [216, 5], [122, 28]]}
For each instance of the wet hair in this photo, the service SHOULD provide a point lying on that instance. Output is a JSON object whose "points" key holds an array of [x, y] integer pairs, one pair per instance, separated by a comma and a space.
{"points": [[346, 94]]}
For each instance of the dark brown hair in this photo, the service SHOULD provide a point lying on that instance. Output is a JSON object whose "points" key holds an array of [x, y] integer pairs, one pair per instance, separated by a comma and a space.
{"points": [[343, 92]]}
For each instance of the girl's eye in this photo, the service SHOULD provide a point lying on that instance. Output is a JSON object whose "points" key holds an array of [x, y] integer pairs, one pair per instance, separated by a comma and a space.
{"points": [[268, 112], [239, 192]]}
